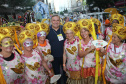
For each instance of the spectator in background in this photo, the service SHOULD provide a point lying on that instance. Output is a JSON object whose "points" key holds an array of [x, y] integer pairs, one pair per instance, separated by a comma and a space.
{"points": [[75, 21], [6, 17], [70, 19], [66, 19], [107, 23]]}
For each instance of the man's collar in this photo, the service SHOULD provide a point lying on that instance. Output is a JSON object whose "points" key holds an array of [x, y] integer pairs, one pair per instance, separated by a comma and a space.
{"points": [[52, 28]]}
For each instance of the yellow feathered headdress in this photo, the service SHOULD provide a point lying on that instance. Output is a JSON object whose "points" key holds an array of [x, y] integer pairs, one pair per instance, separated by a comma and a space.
{"points": [[70, 26], [119, 30], [6, 32], [118, 17]]}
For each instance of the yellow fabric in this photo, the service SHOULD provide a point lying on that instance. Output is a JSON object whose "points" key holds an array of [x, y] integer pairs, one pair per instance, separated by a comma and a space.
{"points": [[16, 39], [83, 57], [17, 28], [70, 26], [118, 17], [97, 63], [78, 34], [36, 44], [98, 23], [87, 24], [97, 54], [111, 10], [84, 23], [42, 27], [104, 66], [119, 30], [30, 26], [2, 80], [93, 32], [18, 49], [25, 35], [6, 32]]}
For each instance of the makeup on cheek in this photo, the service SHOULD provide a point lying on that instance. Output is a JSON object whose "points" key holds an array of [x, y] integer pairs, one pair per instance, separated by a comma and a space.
{"points": [[28, 43], [42, 33]]}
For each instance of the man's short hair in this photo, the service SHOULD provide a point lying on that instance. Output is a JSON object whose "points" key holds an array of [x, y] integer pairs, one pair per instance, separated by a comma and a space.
{"points": [[55, 16]]}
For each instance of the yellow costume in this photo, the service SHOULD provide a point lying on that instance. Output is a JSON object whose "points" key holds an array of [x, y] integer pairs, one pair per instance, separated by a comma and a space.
{"points": [[70, 25], [118, 17], [30, 26], [25, 35], [2, 80], [119, 30], [83, 23], [108, 31], [71, 54], [45, 49], [6, 32], [114, 59], [90, 63], [41, 27]]}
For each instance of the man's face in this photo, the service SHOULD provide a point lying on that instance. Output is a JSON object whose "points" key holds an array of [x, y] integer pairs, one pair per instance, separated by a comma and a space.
{"points": [[55, 21]]}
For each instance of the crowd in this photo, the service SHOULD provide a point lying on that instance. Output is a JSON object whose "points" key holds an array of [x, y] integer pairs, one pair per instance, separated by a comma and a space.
{"points": [[35, 53]]}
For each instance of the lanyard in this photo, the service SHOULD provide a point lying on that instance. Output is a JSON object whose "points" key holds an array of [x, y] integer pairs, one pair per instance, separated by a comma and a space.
{"points": [[55, 32]]}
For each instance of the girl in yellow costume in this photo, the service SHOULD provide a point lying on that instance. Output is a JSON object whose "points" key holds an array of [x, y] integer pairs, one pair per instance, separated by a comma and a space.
{"points": [[10, 61], [71, 60], [42, 30], [87, 52], [115, 71], [115, 18], [34, 70]]}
